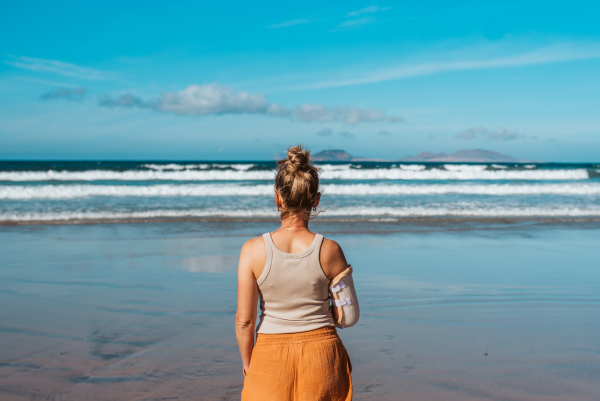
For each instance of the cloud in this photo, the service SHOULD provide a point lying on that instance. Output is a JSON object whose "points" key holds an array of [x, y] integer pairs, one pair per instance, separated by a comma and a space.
{"points": [[501, 134], [346, 114], [46, 82], [356, 22], [367, 10], [127, 100], [201, 100], [57, 67], [70, 94], [545, 55], [293, 22], [347, 135], [277, 110], [325, 132], [216, 99], [384, 133]]}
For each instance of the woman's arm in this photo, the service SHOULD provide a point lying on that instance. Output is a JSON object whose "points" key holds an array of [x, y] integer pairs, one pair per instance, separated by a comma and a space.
{"points": [[247, 300], [332, 258]]}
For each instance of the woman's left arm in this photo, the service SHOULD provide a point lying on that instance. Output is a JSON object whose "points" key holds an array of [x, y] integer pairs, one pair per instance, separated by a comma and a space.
{"points": [[247, 300]]}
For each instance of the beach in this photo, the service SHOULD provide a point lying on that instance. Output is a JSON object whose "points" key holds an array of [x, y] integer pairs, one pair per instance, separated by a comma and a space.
{"points": [[450, 309]]}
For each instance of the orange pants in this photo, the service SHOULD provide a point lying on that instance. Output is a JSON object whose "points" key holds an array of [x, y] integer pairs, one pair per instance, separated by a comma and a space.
{"points": [[309, 366]]}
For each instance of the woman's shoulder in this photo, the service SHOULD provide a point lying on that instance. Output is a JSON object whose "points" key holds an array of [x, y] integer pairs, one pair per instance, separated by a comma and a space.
{"points": [[332, 258], [253, 256], [254, 246]]}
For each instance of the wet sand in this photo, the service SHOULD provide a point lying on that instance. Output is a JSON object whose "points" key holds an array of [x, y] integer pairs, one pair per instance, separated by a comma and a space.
{"points": [[453, 311]]}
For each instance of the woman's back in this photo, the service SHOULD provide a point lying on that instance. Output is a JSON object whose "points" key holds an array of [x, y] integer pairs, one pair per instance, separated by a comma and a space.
{"points": [[294, 295]]}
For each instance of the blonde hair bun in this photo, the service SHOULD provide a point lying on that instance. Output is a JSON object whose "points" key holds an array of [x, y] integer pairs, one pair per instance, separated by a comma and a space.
{"points": [[297, 182], [298, 158]]}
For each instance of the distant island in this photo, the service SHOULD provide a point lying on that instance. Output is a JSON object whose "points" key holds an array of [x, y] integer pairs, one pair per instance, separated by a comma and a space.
{"points": [[460, 156], [466, 155]]}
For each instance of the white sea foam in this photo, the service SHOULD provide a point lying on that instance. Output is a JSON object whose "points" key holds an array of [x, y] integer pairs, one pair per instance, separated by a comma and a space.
{"points": [[14, 192], [349, 212], [499, 166], [439, 174], [465, 167], [337, 167], [412, 167], [204, 166], [479, 189], [339, 173]]}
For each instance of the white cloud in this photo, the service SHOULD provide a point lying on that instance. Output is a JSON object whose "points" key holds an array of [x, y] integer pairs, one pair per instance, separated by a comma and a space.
{"points": [[367, 10], [201, 100], [546, 55], [277, 110], [293, 22], [384, 133], [215, 99], [70, 94], [46, 82], [356, 22], [346, 114], [57, 67], [501, 134]]}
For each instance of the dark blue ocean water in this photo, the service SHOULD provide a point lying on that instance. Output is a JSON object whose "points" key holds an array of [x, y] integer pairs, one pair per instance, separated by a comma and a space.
{"points": [[67, 191]]}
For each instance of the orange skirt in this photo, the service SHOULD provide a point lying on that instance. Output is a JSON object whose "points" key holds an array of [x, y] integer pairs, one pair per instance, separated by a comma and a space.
{"points": [[309, 366]]}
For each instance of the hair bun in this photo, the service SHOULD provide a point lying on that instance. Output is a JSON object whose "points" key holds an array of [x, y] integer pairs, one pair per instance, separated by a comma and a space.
{"points": [[298, 158]]}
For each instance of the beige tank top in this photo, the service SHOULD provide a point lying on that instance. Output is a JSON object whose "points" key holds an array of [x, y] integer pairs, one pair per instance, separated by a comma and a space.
{"points": [[294, 294]]}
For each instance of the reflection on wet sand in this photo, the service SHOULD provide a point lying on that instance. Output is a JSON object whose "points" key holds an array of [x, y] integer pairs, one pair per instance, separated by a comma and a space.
{"points": [[145, 312]]}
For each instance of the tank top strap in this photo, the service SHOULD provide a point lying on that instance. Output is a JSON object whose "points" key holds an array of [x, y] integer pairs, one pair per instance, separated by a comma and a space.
{"points": [[316, 256], [317, 243], [269, 246]]}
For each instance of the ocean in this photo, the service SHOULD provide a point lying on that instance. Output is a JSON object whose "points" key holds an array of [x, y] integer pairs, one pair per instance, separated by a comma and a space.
{"points": [[129, 191], [475, 281]]}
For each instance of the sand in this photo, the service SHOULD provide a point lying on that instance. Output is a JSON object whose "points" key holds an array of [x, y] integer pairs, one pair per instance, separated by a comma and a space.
{"points": [[448, 312]]}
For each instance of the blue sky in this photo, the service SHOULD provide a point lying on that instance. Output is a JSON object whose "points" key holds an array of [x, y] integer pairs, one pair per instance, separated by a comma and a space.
{"points": [[243, 80]]}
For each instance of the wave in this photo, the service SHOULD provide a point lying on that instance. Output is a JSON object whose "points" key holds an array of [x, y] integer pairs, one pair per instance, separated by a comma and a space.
{"points": [[268, 175], [349, 212], [204, 166], [413, 167], [465, 167], [15, 192]]}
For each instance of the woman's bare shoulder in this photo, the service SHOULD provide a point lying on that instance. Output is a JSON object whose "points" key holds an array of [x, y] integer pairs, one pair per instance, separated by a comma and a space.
{"points": [[332, 258], [254, 248], [253, 255]]}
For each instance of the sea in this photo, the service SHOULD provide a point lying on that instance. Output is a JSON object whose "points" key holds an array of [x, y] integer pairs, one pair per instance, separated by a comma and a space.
{"points": [[129, 191], [476, 281]]}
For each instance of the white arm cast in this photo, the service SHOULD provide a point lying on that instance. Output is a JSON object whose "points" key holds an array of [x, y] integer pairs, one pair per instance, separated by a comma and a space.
{"points": [[344, 299]]}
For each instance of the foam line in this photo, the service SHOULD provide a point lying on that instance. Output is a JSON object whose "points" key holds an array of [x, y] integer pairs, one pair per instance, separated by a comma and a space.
{"points": [[381, 212], [268, 175], [14, 192]]}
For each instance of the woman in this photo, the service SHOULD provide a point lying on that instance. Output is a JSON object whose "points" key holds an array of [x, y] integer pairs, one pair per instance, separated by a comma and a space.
{"points": [[298, 354]]}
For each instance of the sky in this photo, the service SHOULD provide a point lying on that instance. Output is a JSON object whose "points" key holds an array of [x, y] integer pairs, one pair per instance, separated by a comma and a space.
{"points": [[129, 80]]}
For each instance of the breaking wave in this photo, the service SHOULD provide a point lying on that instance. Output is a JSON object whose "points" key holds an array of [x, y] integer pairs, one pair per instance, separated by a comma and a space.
{"points": [[453, 173], [14, 192], [348, 212]]}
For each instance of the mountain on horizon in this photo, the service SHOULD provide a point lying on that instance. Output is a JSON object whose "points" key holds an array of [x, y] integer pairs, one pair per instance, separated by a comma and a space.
{"points": [[465, 155], [460, 156], [333, 155]]}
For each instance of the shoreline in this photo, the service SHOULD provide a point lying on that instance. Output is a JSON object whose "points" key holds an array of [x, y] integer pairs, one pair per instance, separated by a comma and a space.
{"points": [[414, 222]]}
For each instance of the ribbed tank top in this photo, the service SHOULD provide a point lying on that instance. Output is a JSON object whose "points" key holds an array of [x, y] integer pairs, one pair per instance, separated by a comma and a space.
{"points": [[294, 294]]}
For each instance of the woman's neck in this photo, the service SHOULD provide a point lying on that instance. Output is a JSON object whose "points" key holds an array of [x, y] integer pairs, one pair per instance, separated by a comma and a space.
{"points": [[294, 222]]}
